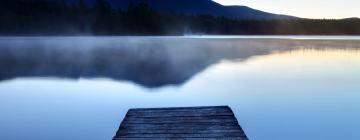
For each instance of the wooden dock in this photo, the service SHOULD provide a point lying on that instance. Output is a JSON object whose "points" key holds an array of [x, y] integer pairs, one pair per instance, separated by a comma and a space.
{"points": [[181, 123]]}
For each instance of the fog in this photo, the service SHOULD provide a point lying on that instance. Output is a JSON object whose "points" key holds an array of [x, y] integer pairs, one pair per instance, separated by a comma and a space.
{"points": [[147, 61]]}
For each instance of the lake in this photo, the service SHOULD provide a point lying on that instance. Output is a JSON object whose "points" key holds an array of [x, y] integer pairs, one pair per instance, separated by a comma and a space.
{"points": [[280, 88]]}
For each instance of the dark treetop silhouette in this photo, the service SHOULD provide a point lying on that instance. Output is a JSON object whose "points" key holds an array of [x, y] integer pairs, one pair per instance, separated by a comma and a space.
{"points": [[155, 17]]}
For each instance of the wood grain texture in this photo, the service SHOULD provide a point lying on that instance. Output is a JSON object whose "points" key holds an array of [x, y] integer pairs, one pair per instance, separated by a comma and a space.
{"points": [[195, 123]]}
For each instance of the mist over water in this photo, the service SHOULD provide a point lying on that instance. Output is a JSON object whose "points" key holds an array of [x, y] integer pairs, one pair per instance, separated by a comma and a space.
{"points": [[81, 87]]}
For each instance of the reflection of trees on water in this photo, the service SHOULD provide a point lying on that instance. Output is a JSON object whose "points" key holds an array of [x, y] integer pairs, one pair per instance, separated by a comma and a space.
{"points": [[150, 62]]}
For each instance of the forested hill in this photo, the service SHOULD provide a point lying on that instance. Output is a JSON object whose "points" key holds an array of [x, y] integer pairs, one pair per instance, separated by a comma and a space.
{"points": [[196, 7], [58, 17]]}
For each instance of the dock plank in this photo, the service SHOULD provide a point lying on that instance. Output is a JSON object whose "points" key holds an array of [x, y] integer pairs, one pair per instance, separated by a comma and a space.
{"points": [[180, 123]]}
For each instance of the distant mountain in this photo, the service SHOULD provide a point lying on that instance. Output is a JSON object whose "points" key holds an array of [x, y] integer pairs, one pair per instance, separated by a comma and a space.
{"points": [[197, 7]]}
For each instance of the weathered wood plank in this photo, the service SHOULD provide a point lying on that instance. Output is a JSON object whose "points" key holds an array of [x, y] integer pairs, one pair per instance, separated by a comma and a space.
{"points": [[207, 119], [209, 112], [181, 123], [178, 121], [224, 138], [181, 114], [207, 135], [177, 131], [179, 110], [182, 108], [176, 118], [182, 126]]}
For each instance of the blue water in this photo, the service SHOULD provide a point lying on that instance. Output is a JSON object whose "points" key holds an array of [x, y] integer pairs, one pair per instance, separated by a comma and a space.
{"points": [[65, 88]]}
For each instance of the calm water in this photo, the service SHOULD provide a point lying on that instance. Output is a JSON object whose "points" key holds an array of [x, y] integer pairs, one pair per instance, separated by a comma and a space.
{"points": [[64, 88]]}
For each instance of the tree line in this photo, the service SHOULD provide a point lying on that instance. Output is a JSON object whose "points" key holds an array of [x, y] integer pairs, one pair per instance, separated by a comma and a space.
{"points": [[56, 17]]}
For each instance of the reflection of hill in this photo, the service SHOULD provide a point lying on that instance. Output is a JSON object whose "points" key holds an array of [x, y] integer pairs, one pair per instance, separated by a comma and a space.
{"points": [[150, 62]]}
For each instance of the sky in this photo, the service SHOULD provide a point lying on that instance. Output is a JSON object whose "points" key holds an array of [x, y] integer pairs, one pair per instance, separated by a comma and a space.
{"points": [[329, 9]]}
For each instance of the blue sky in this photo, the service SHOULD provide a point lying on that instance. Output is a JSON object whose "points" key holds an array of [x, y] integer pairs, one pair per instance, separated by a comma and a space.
{"points": [[330, 9]]}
